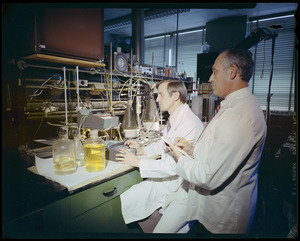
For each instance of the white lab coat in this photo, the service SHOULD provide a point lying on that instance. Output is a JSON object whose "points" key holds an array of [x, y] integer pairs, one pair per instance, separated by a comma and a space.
{"points": [[163, 185], [223, 174]]}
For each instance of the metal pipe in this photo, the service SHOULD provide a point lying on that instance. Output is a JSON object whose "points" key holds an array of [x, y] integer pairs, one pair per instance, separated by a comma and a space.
{"points": [[165, 45], [77, 87], [152, 64], [292, 76], [138, 33], [38, 80], [131, 62], [42, 66], [72, 104], [60, 116], [50, 87], [110, 75], [61, 113], [254, 69], [171, 50], [57, 68], [65, 88], [176, 56], [138, 105]]}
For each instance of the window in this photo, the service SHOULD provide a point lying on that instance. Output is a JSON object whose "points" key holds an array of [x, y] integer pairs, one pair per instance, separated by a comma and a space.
{"points": [[189, 45], [284, 74], [160, 47], [283, 80]]}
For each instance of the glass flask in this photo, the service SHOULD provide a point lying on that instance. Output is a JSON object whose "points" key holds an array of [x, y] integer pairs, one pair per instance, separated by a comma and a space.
{"points": [[129, 123], [78, 148], [94, 153], [151, 119], [64, 154]]}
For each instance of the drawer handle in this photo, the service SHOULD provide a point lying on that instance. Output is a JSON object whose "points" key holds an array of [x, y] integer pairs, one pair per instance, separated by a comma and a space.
{"points": [[110, 193]]}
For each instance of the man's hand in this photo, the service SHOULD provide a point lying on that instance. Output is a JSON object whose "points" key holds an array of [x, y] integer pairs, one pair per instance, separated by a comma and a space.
{"points": [[181, 143], [134, 145], [128, 158], [177, 154]]}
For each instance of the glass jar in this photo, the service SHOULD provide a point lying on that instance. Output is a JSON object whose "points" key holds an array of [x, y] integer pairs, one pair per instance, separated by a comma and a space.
{"points": [[94, 153], [64, 155]]}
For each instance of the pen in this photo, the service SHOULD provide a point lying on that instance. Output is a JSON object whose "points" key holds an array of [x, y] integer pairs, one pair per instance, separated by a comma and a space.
{"points": [[188, 141]]}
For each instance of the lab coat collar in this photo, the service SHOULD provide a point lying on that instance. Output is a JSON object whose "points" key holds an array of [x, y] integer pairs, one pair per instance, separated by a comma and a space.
{"points": [[228, 102], [233, 97], [174, 115]]}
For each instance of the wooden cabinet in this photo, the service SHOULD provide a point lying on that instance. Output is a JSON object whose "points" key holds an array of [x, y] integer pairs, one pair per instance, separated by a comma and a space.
{"points": [[204, 66], [71, 32]]}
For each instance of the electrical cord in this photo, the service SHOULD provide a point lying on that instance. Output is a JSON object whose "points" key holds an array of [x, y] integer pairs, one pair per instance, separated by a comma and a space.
{"points": [[263, 65], [41, 91], [38, 127]]}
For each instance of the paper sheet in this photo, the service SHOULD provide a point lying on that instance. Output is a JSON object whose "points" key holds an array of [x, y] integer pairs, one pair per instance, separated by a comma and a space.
{"points": [[167, 142], [81, 177]]}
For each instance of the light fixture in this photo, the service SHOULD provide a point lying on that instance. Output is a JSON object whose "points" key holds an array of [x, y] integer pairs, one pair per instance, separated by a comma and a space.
{"points": [[149, 14], [129, 123], [151, 119]]}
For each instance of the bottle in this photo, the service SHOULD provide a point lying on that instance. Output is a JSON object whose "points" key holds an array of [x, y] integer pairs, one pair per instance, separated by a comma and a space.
{"points": [[94, 153], [78, 148], [205, 47], [63, 152]]}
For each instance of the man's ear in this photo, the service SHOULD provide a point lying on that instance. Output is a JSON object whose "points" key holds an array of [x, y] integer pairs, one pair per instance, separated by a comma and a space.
{"points": [[176, 95], [233, 71]]}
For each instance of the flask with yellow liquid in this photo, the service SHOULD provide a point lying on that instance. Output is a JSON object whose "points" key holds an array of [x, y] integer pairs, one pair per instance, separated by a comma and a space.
{"points": [[64, 154], [94, 153]]}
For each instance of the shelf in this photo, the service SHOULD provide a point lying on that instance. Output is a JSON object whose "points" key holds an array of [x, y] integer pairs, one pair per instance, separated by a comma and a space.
{"points": [[62, 60]]}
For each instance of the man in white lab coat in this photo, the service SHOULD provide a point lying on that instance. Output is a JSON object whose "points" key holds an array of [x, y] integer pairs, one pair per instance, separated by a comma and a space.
{"points": [[163, 189], [223, 167]]}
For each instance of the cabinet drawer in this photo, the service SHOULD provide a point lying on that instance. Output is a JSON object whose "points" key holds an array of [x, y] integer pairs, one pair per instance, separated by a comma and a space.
{"points": [[91, 198]]}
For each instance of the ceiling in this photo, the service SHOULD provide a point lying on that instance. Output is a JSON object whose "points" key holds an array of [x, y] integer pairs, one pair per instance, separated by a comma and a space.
{"points": [[117, 20]]}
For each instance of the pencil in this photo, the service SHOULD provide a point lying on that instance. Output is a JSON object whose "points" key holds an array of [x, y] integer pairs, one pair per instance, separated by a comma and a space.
{"points": [[188, 141]]}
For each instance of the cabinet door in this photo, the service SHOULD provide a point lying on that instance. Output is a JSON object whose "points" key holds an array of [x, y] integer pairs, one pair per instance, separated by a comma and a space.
{"points": [[106, 218], [56, 215], [95, 210], [72, 32]]}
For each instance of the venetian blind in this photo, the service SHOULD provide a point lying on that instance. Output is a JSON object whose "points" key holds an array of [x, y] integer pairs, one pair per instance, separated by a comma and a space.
{"points": [[283, 80]]}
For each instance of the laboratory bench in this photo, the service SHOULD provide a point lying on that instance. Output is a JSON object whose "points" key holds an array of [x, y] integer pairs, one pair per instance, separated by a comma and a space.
{"points": [[36, 207]]}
